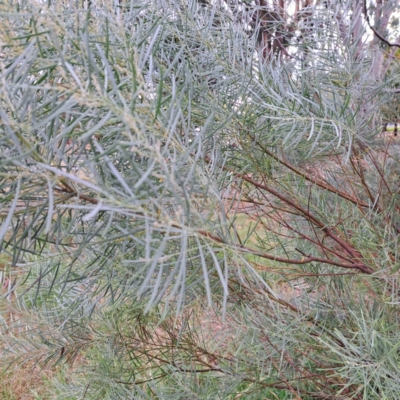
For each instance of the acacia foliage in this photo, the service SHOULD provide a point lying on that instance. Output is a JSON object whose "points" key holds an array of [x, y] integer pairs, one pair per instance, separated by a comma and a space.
{"points": [[184, 214]]}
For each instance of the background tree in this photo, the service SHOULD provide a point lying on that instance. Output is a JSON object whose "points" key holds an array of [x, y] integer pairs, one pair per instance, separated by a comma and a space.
{"points": [[197, 199]]}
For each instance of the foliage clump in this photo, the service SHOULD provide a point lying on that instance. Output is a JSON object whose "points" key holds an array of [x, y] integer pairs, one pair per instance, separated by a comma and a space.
{"points": [[197, 200]]}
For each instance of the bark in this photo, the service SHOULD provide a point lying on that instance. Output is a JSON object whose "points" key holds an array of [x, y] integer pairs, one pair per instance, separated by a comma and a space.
{"points": [[384, 10], [358, 28]]}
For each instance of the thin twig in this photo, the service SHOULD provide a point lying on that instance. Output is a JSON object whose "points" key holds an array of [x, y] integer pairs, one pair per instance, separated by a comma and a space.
{"points": [[376, 33]]}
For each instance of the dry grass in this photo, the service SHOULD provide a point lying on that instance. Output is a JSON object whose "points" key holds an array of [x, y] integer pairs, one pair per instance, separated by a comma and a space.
{"points": [[25, 382], [19, 382]]}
